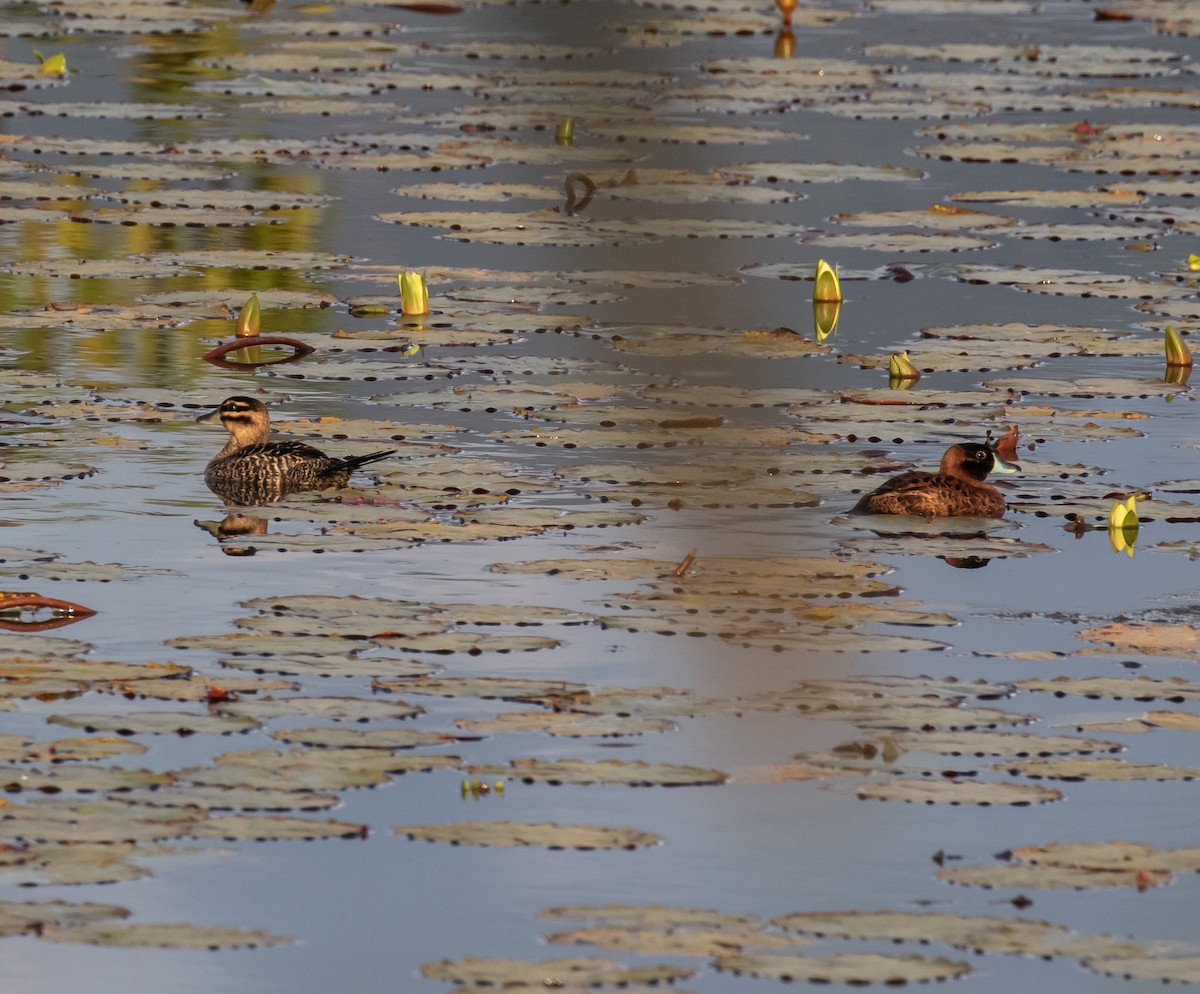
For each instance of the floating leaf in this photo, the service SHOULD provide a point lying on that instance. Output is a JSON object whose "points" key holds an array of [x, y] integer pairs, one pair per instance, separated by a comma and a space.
{"points": [[609, 771], [131, 935], [958, 792], [851, 968], [548, 835]]}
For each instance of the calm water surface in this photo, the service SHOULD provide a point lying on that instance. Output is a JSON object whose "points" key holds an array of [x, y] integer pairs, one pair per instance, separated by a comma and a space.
{"points": [[366, 914]]}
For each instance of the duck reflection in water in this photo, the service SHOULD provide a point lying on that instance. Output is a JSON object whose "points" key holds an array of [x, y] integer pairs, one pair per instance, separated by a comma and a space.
{"points": [[235, 526], [957, 489], [251, 470]]}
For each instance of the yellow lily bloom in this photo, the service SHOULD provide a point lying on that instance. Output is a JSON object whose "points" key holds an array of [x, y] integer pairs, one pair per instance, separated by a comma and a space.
{"points": [[1178, 354], [828, 288], [249, 318], [414, 295], [56, 65]]}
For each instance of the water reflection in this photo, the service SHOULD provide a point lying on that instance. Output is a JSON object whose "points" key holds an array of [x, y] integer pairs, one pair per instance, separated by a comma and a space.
{"points": [[965, 562], [26, 611], [825, 317], [235, 525]]}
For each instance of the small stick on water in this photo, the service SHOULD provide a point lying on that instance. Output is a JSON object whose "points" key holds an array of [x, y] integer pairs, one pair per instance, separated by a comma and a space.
{"points": [[686, 564]]}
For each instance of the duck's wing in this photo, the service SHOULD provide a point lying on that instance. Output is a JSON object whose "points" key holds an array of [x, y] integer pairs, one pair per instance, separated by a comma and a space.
{"points": [[288, 451]]}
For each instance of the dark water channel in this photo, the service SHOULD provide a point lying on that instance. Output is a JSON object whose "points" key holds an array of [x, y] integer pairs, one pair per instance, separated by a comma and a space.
{"points": [[367, 913]]}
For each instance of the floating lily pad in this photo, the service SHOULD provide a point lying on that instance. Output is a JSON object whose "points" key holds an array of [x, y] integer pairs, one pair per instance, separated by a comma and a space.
{"points": [[546, 835], [959, 792], [333, 708], [1099, 769], [976, 743], [372, 738], [1051, 878], [851, 968], [609, 771], [1142, 688], [17, 917], [1165, 969], [156, 723], [566, 724], [80, 863], [130, 935], [671, 941]]}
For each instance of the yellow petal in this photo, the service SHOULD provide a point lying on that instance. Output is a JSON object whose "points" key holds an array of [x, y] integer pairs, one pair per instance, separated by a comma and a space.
{"points": [[1116, 517], [1193, 262], [828, 287], [249, 318], [1178, 354], [56, 65], [900, 367]]}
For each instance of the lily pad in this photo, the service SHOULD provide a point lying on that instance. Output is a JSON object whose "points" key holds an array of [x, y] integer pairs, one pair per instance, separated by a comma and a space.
{"points": [[547, 835], [850, 968], [958, 792], [131, 935], [156, 723], [609, 771]]}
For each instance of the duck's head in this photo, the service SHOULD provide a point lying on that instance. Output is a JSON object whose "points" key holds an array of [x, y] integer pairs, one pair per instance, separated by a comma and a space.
{"points": [[975, 460], [245, 418]]}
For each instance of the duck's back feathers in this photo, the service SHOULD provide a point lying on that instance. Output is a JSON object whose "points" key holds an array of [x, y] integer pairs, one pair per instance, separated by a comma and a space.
{"points": [[956, 490], [932, 495]]}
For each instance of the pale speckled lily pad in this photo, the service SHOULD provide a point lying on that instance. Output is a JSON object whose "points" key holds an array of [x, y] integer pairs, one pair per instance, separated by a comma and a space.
{"points": [[850, 968], [1165, 969], [546, 835], [609, 771], [1142, 688], [156, 723], [1107, 769], [370, 738], [982, 933], [976, 743], [145, 935], [1051, 878], [17, 917], [959, 792], [672, 940], [565, 724]]}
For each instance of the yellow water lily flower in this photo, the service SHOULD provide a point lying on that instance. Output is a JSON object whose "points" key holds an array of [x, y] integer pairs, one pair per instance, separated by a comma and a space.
{"points": [[1178, 354], [55, 65], [900, 367], [1123, 525], [828, 288], [249, 320], [414, 295], [1193, 262]]}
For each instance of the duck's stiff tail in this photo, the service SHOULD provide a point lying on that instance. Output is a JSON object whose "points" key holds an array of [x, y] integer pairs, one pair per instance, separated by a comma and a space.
{"points": [[354, 462]]}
